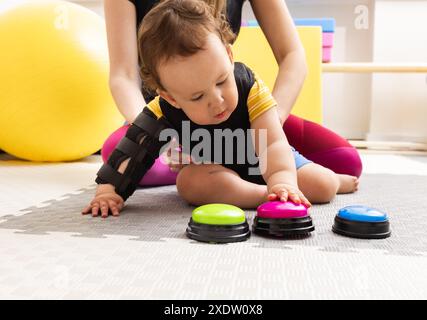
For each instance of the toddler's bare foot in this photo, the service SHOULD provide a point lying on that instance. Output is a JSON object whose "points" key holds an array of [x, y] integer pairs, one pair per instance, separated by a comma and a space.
{"points": [[348, 184]]}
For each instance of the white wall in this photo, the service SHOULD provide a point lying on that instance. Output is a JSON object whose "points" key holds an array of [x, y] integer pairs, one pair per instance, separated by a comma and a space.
{"points": [[399, 101], [378, 106], [346, 97]]}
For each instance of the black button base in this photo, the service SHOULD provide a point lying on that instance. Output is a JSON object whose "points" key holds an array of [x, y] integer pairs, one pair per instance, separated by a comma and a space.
{"points": [[218, 233], [283, 227], [363, 230]]}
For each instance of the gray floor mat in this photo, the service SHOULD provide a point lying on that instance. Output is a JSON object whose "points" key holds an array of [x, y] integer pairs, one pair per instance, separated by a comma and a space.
{"points": [[154, 214]]}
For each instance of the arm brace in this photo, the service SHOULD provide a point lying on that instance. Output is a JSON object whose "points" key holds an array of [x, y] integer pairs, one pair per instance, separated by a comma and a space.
{"points": [[141, 144]]}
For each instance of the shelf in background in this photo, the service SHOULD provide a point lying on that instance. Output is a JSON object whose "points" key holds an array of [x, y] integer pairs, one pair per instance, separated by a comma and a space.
{"points": [[370, 67], [416, 147]]}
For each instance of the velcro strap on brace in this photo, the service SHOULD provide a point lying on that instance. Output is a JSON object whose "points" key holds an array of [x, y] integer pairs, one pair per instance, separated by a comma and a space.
{"points": [[128, 147], [141, 155], [113, 177], [151, 126]]}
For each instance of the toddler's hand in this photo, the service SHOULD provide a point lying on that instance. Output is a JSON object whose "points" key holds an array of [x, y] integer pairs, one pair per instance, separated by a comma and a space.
{"points": [[175, 157], [107, 202], [285, 192]]}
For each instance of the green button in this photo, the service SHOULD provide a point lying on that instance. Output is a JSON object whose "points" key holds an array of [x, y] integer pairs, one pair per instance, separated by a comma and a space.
{"points": [[218, 214]]}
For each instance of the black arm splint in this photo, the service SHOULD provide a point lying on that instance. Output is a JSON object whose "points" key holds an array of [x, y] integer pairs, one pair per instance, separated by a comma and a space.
{"points": [[142, 154]]}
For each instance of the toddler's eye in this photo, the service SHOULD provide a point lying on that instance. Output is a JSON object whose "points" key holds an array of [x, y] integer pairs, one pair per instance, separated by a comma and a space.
{"points": [[222, 82], [197, 98]]}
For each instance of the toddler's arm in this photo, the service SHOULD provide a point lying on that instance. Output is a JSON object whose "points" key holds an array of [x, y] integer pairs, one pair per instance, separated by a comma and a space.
{"points": [[277, 163], [131, 159]]}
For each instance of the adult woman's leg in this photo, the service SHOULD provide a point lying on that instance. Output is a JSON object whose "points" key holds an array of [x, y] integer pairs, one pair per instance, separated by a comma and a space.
{"points": [[323, 146], [158, 175]]}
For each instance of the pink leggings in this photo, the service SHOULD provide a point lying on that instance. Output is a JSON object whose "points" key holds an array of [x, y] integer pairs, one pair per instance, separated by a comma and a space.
{"points": [[312, 140]]}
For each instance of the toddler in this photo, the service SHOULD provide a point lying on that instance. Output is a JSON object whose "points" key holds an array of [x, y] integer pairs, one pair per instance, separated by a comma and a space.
{"points": [[186, 58]]}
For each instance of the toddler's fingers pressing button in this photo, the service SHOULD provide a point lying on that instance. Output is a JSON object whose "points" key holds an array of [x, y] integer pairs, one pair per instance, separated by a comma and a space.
{"points": [[295, 198], [283, 195], [272, 196]]}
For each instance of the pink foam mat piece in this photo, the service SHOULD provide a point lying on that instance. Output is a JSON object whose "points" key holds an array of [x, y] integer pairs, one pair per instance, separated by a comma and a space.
{"points": [[326, 54], [327, 39], [281, 210]]}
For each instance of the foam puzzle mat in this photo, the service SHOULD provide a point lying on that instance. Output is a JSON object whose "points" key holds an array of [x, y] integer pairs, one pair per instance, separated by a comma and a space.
{"points": [[52, 251]]}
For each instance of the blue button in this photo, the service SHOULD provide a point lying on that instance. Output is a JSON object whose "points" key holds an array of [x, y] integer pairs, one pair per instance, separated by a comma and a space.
{"points": [[362, 213]]}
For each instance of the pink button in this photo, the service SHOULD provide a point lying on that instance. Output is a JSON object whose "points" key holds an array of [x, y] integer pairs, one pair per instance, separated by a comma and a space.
{"points": [[281, 210]]}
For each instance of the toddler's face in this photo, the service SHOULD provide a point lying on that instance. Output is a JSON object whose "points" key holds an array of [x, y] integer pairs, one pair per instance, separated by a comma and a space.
{"points": [[203, 84]]}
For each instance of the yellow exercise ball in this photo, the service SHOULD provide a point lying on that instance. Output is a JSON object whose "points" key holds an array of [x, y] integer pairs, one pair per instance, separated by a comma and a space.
{"points": [[55, 103]]}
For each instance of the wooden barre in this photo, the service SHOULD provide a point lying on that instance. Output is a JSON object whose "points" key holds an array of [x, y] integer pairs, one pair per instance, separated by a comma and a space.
{"points": [[370, 67]]}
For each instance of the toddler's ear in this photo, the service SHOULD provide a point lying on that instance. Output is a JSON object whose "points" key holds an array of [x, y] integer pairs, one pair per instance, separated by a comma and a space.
{"points": [[230, 52], [165, 95]]}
